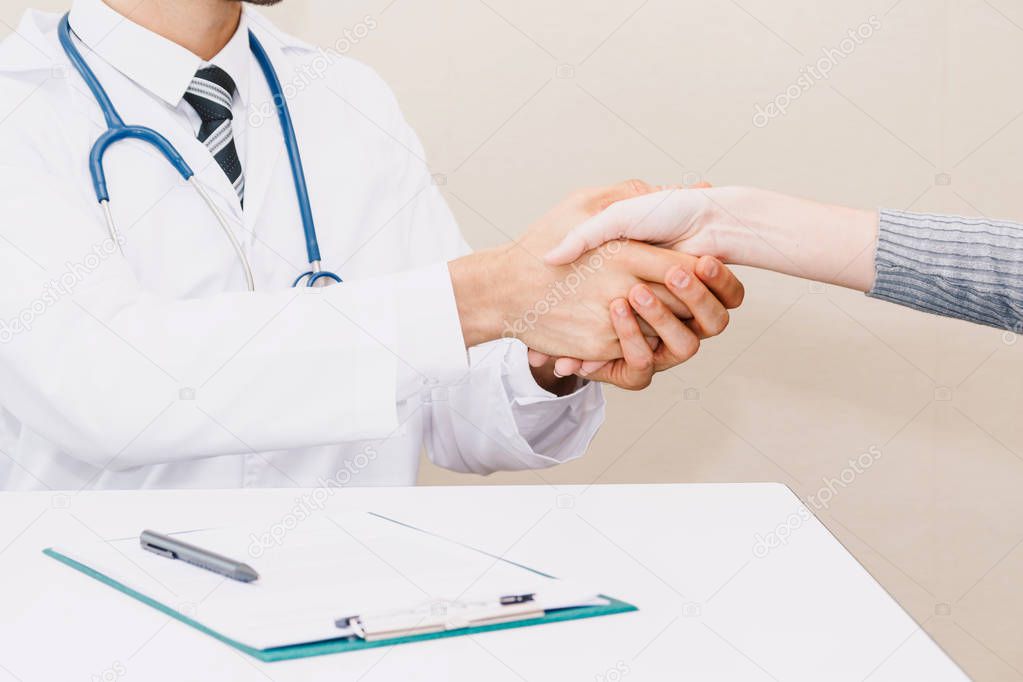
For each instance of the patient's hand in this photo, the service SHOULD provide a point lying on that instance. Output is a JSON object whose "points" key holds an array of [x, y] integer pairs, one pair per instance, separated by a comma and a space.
{"points": [[675, 218]]}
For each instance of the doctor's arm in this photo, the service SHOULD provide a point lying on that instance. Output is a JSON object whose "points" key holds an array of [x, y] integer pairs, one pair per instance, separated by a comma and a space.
{"points": [[119, 377], [966, 268]]}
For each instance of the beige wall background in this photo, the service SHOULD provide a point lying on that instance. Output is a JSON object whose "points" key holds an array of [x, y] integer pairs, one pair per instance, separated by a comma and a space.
{"points": [[519, 102]]}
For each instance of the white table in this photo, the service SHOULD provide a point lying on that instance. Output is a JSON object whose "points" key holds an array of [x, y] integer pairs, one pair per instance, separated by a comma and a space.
{"points": [[715, 602]]}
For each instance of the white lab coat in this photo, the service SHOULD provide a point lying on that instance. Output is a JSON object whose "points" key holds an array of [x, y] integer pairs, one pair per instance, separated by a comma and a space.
{"points": [[158, 369]]}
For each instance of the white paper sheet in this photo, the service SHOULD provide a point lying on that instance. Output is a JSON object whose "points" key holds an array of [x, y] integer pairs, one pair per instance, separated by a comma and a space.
{"points": [[356, 564]]}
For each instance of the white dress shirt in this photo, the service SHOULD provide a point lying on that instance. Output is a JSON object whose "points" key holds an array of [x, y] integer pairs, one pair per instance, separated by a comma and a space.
{"points": [[158, 369]]}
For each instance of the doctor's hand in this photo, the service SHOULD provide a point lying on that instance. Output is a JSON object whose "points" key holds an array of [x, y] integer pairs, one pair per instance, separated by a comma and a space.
{"points": [[708, 291]]}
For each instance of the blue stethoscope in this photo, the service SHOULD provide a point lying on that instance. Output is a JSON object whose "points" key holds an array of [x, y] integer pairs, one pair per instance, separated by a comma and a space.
{"points": [[117, 131]]}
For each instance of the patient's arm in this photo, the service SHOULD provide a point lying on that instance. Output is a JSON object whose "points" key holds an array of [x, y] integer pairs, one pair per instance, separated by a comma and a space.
{"points": [[743, 226], [967, 268]]}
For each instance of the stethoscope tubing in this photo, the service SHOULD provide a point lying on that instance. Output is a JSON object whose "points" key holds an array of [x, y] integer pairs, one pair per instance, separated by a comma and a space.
{"points": [[291, 144]]}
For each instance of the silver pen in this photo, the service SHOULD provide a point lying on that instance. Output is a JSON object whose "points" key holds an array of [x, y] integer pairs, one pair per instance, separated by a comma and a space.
{"points": [[173, 548]]}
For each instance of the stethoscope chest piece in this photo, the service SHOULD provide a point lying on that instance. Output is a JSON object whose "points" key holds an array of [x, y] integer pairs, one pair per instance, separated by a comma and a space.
{"points": [[316, 278]]}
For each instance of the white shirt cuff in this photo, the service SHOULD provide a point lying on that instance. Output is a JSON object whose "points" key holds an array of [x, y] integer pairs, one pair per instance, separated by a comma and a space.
{"points": [[553, 429]]}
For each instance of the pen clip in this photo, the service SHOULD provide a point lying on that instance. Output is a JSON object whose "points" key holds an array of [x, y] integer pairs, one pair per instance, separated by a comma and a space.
{"points": [[156, 549]]}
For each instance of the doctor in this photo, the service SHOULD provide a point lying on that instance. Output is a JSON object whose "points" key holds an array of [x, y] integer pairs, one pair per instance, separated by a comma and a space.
{"points": [[132, 353]]}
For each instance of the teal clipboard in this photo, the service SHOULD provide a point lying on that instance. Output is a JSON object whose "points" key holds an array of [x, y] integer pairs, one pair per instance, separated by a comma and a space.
{"points": [[344, 644]]}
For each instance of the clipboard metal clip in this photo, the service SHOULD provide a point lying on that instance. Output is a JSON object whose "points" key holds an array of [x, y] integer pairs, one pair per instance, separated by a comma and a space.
{"points": [[440, 615]]}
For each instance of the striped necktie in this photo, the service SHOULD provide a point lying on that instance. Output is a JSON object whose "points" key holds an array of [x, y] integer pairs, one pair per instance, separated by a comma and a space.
{"points": [[210, 94]]}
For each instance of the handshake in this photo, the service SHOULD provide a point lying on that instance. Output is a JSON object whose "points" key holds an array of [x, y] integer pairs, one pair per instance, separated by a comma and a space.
{"points": [[587, 299]]}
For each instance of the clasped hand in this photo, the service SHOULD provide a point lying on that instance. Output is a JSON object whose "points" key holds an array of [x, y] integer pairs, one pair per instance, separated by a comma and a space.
{"points": [[627, 308]]}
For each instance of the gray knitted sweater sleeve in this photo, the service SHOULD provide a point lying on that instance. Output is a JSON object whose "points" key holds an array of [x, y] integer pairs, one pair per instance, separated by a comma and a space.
{"points": [[968, 268]]}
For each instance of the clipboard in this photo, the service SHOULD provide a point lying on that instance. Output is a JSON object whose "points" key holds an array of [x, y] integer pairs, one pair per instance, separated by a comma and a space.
{"points": [[422, 620]]}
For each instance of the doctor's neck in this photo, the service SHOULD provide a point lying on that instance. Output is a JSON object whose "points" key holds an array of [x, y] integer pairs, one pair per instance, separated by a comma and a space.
{"points": [[201, 26]]}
